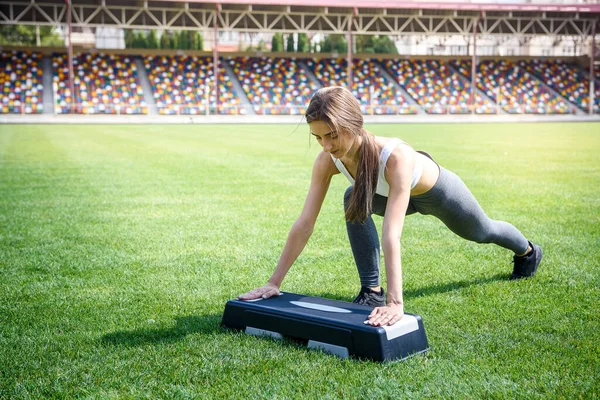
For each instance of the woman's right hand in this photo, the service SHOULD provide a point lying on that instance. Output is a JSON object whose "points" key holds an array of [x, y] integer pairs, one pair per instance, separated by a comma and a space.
{"points": [[263, 292]]}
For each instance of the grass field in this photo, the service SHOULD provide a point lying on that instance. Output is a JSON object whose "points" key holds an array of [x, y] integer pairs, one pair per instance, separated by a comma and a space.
{"points": [[119, 246]]}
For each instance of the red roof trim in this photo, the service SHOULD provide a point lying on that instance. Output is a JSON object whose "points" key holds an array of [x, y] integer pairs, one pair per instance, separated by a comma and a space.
{"points": [[490, 5]]}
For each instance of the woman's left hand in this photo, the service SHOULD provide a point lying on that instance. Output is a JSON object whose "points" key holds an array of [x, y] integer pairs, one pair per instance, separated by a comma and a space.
{"points": [[387, 315]]}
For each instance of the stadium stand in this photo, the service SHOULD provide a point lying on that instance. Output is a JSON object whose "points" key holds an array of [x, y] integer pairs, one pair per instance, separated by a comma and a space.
{"points": [[183, 85], [376, 94], [110, 84], [274, 85], [103, 84], [22, 84], [567, 79], [516, 91], [437, 88]]}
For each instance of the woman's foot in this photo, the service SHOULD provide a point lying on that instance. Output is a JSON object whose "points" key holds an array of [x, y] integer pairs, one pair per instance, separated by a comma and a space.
{"points": [[370, 297], [527, 265]]}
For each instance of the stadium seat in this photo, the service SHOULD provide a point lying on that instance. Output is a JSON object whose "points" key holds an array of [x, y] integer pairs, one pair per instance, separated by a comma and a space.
{"points": [[512, 88], [22, 84], [375, 93], [184, 85], [436, 87], [274, 85], [103, 84], [566, 79]]}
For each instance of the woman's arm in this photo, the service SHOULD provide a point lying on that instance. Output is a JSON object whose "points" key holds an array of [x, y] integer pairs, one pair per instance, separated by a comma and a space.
{"points": [[399, 176], [323, 170]]}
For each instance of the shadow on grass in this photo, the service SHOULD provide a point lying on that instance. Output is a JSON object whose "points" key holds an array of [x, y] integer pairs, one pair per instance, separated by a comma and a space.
{"points": [[184, 326], [432, 289], [451, 286], [208, 324]]}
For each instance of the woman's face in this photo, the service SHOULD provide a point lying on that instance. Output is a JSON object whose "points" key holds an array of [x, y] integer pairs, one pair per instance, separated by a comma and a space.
{"points": [[333, 142]]}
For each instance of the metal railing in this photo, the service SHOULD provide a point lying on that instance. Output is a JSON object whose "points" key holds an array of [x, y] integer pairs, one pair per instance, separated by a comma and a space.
{"points": [[369, 109]]}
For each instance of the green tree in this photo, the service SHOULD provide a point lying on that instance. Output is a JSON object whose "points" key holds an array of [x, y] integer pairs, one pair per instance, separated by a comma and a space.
{"points": [[151, 39], [196, 42], [334, 43], [165, 40], [365, 44], [192, 37], [139, 40], [277, 42], [385, 45], [262, 46], [129, 38], [303, 44], [26, 35], [184, 40], [290, 44], [175, 41]]}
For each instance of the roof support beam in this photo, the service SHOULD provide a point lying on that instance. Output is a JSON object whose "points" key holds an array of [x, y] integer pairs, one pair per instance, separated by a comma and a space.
{"points": [[188, 15]]}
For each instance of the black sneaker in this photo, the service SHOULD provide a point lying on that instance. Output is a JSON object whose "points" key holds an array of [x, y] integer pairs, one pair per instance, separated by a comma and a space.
{"points": [[526, 266], [369, 297]]}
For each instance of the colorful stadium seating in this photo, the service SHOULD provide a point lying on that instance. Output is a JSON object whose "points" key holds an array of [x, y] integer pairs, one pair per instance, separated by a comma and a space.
{"points": [[184, 85], [567, 79], [103, 84], [437, 88], [516, 91], [22, 84], [109, 84], [274, 85], [375, 93]]}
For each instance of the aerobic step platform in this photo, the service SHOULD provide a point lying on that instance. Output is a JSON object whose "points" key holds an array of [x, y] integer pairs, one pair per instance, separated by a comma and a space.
{"points": [[334, 326]]}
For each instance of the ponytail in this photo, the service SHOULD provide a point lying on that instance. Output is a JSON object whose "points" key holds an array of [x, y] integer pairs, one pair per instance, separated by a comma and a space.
{"points": [[360, 205]]}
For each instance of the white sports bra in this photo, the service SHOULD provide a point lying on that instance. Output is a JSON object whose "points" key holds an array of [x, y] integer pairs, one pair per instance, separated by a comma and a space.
{"points": [[383, 188]]}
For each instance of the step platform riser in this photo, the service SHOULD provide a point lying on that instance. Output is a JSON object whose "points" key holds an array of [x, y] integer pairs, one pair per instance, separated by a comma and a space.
{"points": [[334, 326]]}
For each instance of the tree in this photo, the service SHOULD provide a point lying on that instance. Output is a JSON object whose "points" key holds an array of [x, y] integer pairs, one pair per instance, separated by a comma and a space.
{"points": [[26, 35], [277, 42], [192, 36], [175, 41], [335, 43], [303, 44], [139, 40], [261, 46], [184, 40], [195, 40], [290, 44], [385, 45], [129, 38], [365, 44], [151, 40], [165, 40]]}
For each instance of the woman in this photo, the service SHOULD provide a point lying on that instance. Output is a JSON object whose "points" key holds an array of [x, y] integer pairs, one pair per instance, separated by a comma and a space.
{"points": [[392, 180]]}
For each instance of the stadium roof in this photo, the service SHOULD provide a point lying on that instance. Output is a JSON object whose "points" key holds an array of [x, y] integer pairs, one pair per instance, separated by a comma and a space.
{"points": [[474, 5], [439, 17]]}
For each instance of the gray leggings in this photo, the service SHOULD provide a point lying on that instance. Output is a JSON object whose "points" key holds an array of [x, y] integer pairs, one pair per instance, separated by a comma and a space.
{"points": [[450, 201]]}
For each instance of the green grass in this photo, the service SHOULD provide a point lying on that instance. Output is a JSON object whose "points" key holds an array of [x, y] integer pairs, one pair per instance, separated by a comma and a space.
{"points": [[119, 246]]}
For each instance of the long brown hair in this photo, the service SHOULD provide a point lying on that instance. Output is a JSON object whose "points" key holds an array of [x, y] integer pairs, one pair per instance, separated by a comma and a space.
{"points": [[339, 109]]}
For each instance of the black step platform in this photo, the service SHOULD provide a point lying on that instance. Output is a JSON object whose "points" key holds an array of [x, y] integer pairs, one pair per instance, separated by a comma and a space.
{"points": [[335, 326]]}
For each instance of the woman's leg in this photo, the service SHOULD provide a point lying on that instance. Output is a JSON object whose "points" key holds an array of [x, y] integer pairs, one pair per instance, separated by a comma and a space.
{"points": [[364, 241], [453, 203]]}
